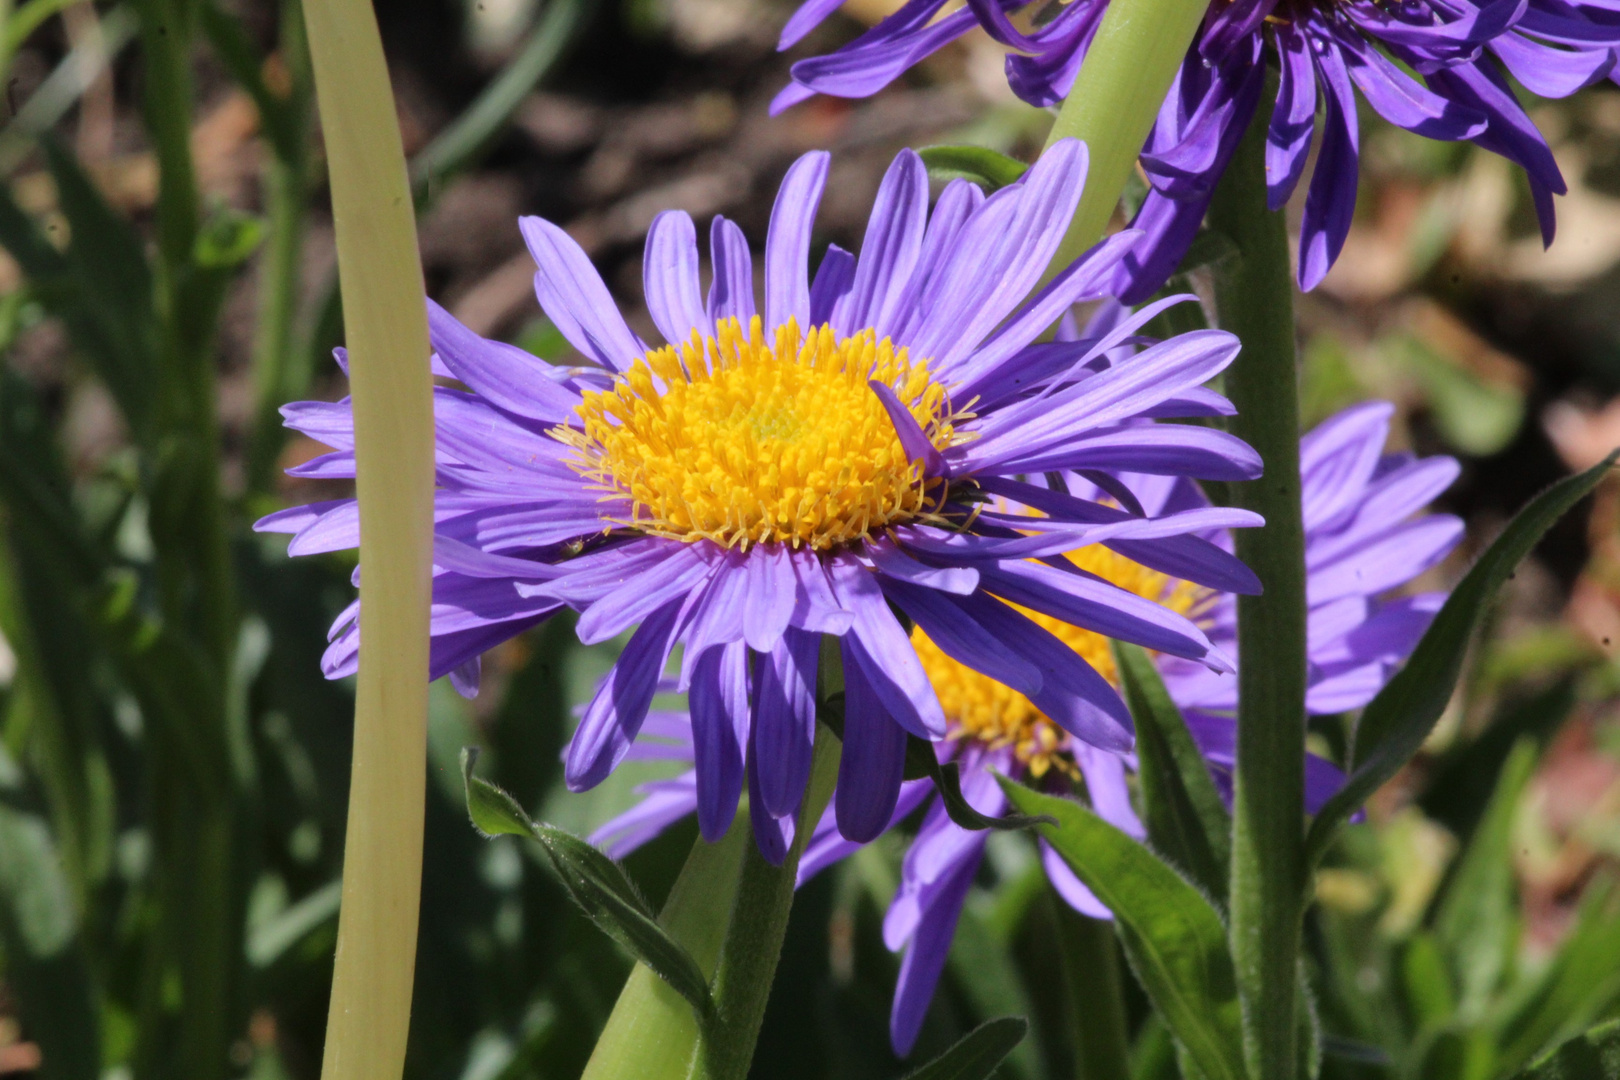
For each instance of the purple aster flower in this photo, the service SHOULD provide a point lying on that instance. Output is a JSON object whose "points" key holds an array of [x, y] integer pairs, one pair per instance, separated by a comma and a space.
{"points": [[1324, 49], [774, 475], [1365, 535]]}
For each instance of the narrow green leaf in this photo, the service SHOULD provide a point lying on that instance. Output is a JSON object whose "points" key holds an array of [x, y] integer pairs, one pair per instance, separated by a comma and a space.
{"points": [[1592, 1056], [988, 168], [975, 1055], [1185, 817], [481, 123], [596, 883], [493, 811], [1477, 923], [117, 343], [1172, 933], [1396, 722], [1573, 990], [230, 42]]}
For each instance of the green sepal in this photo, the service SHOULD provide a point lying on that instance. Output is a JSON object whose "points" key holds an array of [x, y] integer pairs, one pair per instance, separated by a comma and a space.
{"points": [[596, 883], [975, 1055], [1172, 933], [1397, 721], [990, 169]]}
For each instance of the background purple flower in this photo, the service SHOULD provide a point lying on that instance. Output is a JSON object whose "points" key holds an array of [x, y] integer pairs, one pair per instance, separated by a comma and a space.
{"points": [[1365, 536], [785, 471], [1461, 51]]}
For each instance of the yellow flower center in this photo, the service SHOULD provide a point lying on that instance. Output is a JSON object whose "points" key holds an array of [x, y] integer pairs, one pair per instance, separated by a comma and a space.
{"points": [[743, 440], [979, 708]]}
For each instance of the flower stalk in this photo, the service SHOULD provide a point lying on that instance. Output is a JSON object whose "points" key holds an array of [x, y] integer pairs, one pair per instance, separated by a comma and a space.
{"points": [[386, 330], [753, 942], [1254, 300], [652, 1033], [1116, 97]]}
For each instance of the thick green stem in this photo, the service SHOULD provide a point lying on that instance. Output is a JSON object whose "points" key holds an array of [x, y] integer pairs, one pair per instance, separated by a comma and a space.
{"points": [[1115, 99], [1254, 298], [1096, 1003], [758, 924], [653, 1033]]}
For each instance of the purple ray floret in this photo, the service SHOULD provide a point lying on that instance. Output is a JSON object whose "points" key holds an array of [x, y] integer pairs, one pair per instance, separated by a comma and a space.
{"points": [[1366, 534], [1324, 51], [540, 506]]}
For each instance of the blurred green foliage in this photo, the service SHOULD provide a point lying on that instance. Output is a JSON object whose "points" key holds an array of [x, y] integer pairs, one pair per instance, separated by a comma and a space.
{"points": [[173, 767]]}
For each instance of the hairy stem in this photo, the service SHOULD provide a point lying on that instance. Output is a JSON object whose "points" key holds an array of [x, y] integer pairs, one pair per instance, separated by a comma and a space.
{"points": [[1254, 298], [753, 943]]}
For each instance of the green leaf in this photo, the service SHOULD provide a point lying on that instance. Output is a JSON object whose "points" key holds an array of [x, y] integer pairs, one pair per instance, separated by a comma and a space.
{"points": [[976, 1054], [1592, 1056], [1573, 990], [988, 168], [1172, 933], [596, 883], [1184, 815], [1477, 923], [1396, 722]]}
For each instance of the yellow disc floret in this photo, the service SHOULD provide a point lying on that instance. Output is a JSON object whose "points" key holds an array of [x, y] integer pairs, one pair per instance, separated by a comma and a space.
{"points": [[979, 708], [746, 439]]}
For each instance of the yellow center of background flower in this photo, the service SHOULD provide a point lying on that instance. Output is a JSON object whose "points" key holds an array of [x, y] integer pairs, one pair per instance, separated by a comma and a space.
{"points": [[978, 707], [742, 440]]}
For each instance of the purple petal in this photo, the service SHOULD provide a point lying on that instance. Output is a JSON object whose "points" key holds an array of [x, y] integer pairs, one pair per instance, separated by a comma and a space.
{"points": [[872, 764], [669, 277], [731, 293], [574, 298], [785, 720], [787, 244], [615, 713], [719, 704]]}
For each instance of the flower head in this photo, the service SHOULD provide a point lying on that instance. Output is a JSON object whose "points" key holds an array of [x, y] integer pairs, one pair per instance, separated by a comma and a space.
{"points": [[1365, 535], [771, 476], [1324, 49]]}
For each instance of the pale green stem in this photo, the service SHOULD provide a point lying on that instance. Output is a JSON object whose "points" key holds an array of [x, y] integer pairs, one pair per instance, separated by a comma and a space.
{"points": [[653, 1033], [1115, 98], [1254, 297], [385, 322]]}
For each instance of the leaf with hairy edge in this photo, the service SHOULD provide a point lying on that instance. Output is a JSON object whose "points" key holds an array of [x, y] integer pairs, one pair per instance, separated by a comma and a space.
{"points": [[975, 1055], [1397, 721], [1172, 934], [596, 883], [987, 168], [1185, 817], [1592, 1056]]}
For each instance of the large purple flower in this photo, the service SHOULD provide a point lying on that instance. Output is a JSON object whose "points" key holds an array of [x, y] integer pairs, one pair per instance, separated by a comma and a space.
{"points": [[770, 477], [1365, 536], [1324, 50]]}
